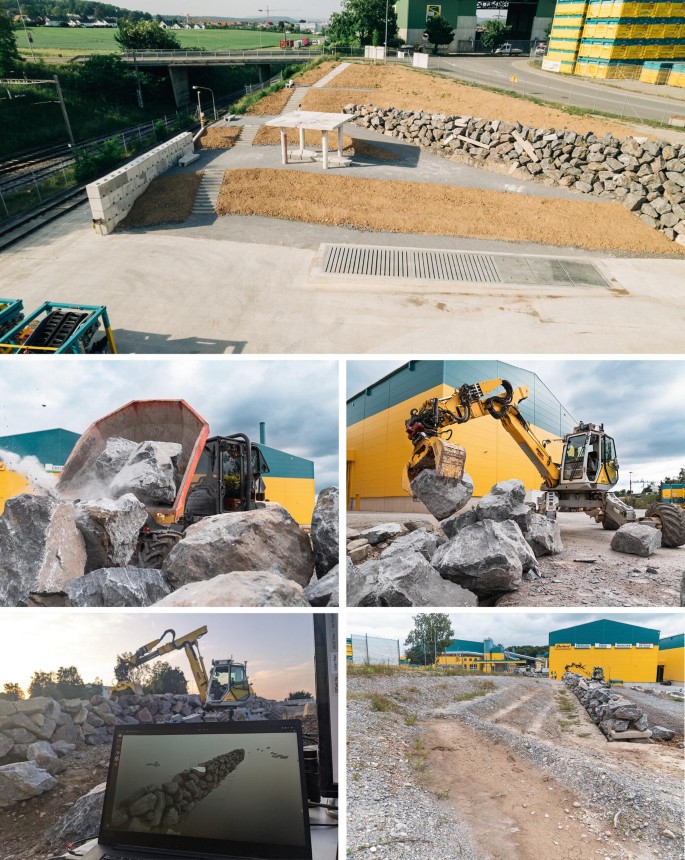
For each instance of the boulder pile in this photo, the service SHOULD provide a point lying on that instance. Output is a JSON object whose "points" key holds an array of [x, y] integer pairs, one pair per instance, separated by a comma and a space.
{"points": [[474, 557], [617, 717], [647, 176]]}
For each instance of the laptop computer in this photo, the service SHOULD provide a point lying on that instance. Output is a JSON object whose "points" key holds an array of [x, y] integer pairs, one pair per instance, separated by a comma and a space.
{"points": [[231, 790]]}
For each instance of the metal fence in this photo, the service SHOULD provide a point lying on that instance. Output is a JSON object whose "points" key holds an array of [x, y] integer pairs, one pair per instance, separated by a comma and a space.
{"points": [[374, 650]]}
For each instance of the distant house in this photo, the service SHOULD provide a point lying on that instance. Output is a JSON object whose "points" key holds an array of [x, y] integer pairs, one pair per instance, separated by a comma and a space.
{"points": [[163, 25], [53, 22]]}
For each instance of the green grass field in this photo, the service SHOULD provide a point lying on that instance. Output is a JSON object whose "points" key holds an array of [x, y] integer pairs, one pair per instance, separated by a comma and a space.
{"points": [[49, 42]]}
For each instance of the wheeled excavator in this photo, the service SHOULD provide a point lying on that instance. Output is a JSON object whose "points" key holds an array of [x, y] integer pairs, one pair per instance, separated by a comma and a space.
{"points": [[597, 672], [226, 686], [583, 481]]}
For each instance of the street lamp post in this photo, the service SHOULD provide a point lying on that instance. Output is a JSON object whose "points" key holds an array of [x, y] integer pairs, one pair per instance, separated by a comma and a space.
{"points": [[213, 102], [387, 6]]}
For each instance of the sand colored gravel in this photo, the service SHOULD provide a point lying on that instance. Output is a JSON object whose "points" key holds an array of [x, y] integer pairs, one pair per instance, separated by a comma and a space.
{"points": [[371, 204], [270, 136], [167, 200], [409, 89], [219, 138], [271, 105], [306, 79]]}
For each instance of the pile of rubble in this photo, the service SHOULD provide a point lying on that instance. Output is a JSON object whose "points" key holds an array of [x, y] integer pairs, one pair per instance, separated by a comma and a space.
{"points": [[474, 557], [647, 176], [616, 716], [37, 734], [57, 551], [677, 693]]}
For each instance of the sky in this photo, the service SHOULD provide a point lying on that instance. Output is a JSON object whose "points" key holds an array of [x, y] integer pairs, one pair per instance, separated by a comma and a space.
{"points": [[298, 400], [504, 627], [310, 10], [278, 647], [640, 403]]}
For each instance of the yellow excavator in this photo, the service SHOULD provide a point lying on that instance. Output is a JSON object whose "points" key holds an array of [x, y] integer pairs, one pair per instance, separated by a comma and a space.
{"points": [[583, 481], [226, 686], [597, 672]]}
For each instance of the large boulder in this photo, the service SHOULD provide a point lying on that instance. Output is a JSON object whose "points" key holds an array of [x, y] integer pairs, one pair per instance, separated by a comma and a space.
{"points": [[249, 540], [362, 582], [636, 539], [325, 530], [525, 553], [456, 522], [112, 459], [41, 549], [119, 586], [22, 780], [420, 540], [81, 820], [150, 473], [505, 501], [381, 532], [42, 753], [659, 733], [482, 558], [110, 530], [410, 580], [442, 496], [543, 535], [239, 588], [324, 591]]}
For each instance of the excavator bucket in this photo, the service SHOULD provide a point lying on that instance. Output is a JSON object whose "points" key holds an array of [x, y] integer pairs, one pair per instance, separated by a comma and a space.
{"points": [[446, 459]]}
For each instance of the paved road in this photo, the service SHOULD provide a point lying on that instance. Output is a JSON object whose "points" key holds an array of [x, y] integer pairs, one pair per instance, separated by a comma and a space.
{"points": [[498, 72]]}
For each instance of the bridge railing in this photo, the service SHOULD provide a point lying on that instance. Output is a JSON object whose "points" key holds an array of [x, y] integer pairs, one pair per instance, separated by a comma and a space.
{"points": [[202, 56]]}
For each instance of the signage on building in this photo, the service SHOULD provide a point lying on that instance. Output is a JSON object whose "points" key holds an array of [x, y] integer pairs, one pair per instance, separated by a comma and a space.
{"points": [[433, 11], [601, 645], [551, 65], [563, 645], [644, 645], [623, 645], [585, 645]]}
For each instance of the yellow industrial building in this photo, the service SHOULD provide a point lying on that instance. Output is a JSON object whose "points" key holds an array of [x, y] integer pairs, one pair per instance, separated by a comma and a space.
{"points": [[615, 39], [378, 448], [625, 652], [484, 656]]}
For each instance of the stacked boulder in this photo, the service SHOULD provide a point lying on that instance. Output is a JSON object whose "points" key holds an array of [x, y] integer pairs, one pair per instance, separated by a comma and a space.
{"points": [[617, 717], [323, 589], [647, 176], [478, 555]]}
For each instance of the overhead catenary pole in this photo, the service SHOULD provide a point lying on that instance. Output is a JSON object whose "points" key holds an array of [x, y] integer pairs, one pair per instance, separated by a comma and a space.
{"points": [[387, 5], [29, 38], [64, 110]]}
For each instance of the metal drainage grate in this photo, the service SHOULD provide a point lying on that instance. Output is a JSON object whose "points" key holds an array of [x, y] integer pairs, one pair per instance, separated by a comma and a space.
{"points": [[421, 264]]}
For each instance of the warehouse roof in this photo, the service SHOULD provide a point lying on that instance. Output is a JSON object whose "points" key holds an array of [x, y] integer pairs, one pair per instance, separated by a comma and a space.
{"points": [[604, 632], [49, 446], [668, 642], [283, 465], [458, 646]]}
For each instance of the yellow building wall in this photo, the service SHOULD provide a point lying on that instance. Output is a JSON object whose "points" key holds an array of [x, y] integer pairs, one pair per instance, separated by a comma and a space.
{"points": [[381, 449], [620, 664], [467, 661], [297, 495], [11, 484], [673, 661]]}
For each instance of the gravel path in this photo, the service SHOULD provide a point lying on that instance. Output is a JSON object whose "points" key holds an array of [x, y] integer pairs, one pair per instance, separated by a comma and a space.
{"points": [[661, 712]]}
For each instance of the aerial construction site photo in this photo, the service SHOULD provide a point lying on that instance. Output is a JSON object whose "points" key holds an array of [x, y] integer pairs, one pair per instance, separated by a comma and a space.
{"points": [[494, 483], [515, 736]]}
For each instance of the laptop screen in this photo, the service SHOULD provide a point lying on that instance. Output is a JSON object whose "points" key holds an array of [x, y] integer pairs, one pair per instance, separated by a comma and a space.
{"points": [[233, 789]]}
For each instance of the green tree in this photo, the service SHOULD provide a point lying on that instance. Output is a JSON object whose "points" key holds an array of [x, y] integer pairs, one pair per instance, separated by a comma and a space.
{"points": [[340, 29], [438, 32], [12, 691], [164, 678], [300, 694], [144, 36], [528, 650], [431, 634], [359, 18], [494, 34], [42, 684], [9, 53]]}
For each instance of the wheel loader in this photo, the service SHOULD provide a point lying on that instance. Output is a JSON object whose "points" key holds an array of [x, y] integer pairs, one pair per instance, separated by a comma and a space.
{"points": [[582, 481], [221, 474]]}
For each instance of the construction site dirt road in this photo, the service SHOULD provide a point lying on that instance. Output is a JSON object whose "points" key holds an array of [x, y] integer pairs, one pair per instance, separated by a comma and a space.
{"points": [[488, 768]]}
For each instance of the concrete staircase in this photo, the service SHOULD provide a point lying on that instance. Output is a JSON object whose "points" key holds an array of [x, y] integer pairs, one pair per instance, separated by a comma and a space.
{"points": [[208, 192]]}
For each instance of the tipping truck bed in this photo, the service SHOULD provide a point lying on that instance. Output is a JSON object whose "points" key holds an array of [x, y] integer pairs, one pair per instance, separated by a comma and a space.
{"points": [[140, 421]]}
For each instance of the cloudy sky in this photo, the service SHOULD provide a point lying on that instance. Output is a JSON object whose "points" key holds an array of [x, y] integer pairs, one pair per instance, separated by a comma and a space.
{"points": [[504, 627], [640, 403], [298, 400], [278, 647], [310, 10]]}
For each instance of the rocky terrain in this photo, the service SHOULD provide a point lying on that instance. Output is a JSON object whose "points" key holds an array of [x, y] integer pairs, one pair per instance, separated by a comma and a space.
{"points": [[449, 766]]}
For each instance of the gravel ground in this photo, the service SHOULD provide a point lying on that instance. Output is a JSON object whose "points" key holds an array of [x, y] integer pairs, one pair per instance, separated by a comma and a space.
{"points": [[661, 712], [627, 795]]}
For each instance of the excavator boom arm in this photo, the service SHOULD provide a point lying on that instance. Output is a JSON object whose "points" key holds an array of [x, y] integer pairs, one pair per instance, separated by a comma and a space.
{"points": [[153, 649]]}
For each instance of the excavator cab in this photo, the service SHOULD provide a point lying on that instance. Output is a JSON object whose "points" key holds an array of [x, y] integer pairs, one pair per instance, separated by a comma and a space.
{"points": [[589, 459], [228, 685]]}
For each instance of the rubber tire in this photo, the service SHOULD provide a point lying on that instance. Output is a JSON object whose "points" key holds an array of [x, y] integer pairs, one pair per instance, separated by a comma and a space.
{"points": [[672, 523], [609, 524], [153, 552]]}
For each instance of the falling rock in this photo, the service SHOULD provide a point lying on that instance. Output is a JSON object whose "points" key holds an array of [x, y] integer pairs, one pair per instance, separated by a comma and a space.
{"points": [[248, 540], [119, 586], [239, 588], [22, 780], [112, 459], [324, 591], [149, 473], [420, 540], [81, 820], [362, 582], [110, 530], [410, 580], [482, 558], [505, 501], [659, 733], [636, 539], [383, 531], [544, 535], [41, 550], [442, 496], [325, 530]]}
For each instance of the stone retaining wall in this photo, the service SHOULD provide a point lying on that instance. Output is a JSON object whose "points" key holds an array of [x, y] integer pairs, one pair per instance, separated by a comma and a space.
{"points": [[617, 717], [647, 176]]}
